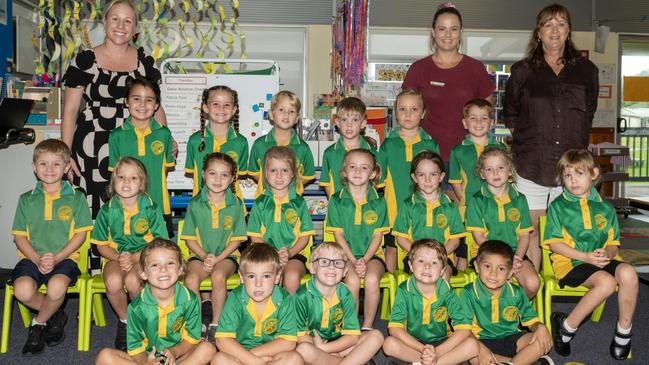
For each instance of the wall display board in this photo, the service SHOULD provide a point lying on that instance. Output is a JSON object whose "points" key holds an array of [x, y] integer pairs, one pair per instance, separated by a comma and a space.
{"points": [[256, 81]]}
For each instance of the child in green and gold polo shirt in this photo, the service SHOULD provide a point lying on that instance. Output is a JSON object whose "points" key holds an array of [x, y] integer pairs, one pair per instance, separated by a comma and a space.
{"points": [[499, 211], [258, 322], [50, 224], [124, 226], [284, 115], [350, 123], [583, 233], [144, 138], [327, 324], [164, 319], [498, 309], [418, 327]]}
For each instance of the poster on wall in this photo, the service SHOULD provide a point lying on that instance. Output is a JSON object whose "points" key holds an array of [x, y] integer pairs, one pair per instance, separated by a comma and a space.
{"points": [[3, 12]]}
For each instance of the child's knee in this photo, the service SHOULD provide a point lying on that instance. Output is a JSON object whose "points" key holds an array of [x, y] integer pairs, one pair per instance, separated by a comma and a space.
{"points": [[292, 358], [626, 275], [114, 282], [374, 337], [372, 282], [25, 288], [307, 351], [606, 283], [391, 346]]}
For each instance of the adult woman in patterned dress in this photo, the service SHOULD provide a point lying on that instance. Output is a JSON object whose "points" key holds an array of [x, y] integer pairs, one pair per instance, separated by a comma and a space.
{"points": [[99, 76]]}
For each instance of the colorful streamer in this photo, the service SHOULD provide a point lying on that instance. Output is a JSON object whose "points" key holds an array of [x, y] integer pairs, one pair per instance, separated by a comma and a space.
{"points": [[349, 53]]}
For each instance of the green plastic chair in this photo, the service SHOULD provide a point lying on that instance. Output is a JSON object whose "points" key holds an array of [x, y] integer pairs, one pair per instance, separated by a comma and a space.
{"points": [[78, 288]]}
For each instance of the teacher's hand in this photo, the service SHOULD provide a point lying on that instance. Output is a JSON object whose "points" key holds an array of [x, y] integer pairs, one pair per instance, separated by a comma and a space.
{"points": [[73, 170]]}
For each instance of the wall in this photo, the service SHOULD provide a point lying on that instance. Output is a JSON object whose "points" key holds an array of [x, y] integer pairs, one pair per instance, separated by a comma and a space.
{"points": [[318, 64], [6, 38]]}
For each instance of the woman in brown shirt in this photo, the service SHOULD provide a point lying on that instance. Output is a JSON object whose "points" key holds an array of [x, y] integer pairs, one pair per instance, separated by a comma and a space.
{"points": [[550, 101]]}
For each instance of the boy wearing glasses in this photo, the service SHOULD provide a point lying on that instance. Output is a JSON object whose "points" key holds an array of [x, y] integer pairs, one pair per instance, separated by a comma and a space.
{"points": [[327, 325]]}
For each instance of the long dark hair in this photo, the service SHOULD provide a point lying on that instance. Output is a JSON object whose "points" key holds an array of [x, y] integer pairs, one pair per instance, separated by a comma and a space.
{"points": [[535, 54], [205, 99]]}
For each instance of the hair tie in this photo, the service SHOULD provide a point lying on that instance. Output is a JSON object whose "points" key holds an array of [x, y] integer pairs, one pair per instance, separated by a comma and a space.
{"points": [[446, 5]]}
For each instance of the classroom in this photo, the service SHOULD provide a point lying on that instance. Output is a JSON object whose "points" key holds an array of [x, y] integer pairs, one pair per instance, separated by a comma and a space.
{"points": [[161, 153]]}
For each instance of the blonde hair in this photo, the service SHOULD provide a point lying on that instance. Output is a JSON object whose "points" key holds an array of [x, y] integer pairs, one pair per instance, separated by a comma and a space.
{"points": [[410, 92], [281, 153], [432, 244], [106, 10], [297, 104], [141, 173], [477, 103], [496, 151], [259, 254], [334, 246], [53, 146], [578, 159], [376, 169]]}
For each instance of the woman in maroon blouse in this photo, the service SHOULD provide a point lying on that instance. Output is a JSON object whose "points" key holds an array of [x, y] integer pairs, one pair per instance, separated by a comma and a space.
{"points": [[550, 101], [447, 79]]}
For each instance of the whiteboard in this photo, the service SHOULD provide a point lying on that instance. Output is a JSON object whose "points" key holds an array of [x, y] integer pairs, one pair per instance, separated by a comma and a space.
{"points": [[181, 99]]}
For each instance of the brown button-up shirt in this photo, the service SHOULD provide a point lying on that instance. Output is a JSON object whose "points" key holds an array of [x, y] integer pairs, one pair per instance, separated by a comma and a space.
{"points": [[549, 114]]}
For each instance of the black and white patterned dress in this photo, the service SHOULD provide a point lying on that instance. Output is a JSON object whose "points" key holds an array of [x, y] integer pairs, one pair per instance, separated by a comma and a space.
{"points": [[104, 110]]}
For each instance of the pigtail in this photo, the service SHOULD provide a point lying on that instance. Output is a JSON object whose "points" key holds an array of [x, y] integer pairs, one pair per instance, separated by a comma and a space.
{"points": [[235, 118], [371, 141], [204, 97]]}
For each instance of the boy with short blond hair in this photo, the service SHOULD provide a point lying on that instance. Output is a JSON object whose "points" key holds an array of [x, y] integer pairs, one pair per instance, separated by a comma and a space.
{"points": [[50, 225], [328, 329], [499, 308], [418, 326], [257, 325]]}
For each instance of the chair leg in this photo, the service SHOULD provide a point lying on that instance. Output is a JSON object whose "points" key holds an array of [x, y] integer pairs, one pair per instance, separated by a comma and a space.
{"points": [[597, 313], [6, 318], [81, 332], [385, 304], [24, 314], [98, 310], [547, 307], [538, 304]]}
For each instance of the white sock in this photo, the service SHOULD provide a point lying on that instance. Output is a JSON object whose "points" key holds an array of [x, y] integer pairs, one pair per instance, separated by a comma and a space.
{"points": [[123, 321], [214, 324], [569, 329], [34, 321], [624, 331]]}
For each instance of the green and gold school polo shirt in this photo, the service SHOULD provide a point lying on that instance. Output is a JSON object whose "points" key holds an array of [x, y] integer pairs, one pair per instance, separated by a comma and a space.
{"points": [[240, 320], [418, 218], [235, 145], [397, 155], [498, 219], [305, 164], [497, 316], [128, 231], [49, 221], [214, 227], [462, 163], [424, 318], [153, 148], [331, 318], [358, 222], [280, 223], [151, 325], [584, 224], [332, 164]]}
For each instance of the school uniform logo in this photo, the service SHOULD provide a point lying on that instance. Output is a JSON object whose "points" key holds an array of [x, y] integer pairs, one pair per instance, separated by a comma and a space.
{"points": [[338, 315], [510, 313], [157, 147], [600, 221], [227, 222], [514, 215], [270, 326], [370, 217], [178, 324], [441, 220], [64, 213], [291, 216], [141, 225], [440, 314]]}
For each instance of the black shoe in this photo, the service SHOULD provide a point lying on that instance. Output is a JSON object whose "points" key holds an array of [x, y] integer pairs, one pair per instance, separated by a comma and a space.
{"points": [[206, 312], [620, 352], [544, 360], [54, 333], [211, 334], [562, 348], [120, 339], [35, 340]]}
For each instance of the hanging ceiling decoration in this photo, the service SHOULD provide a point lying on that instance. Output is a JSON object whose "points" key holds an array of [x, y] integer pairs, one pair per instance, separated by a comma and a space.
{"points": [[349, 53]]}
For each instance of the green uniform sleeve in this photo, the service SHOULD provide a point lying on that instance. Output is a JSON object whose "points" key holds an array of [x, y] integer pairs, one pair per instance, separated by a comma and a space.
{"points": [[189, 155], [454, 167], [615, 226], [82, 218], [230, 316], [456, 227], [169, 156], [306, 224], [526, 219], [189, 231], [474, 218], [382, 224], [553, 226], [192, 327], [527, 314], [350, 318], [239, 223], [243, 157], [464, 300], [113, 149], [136, 339], [19, 227], [255, 220], [334, 218], [399, 315], [307, 162], [157, 225], [287, 329], [301, 313], [460, 319], [325, 169], [402, 224], [256, 155], [100, 232], [433, 146], [383, 162]]}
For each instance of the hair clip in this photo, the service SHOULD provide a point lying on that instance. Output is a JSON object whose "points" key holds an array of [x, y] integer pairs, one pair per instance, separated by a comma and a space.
{"points": [[446, 5]]}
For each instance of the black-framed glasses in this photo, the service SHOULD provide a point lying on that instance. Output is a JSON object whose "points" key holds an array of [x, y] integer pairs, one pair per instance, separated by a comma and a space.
{"points": [[324, 262]]}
